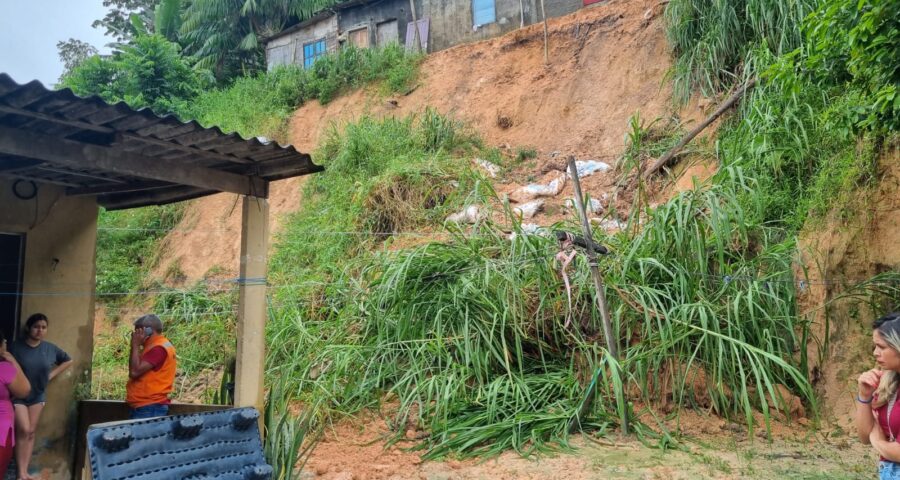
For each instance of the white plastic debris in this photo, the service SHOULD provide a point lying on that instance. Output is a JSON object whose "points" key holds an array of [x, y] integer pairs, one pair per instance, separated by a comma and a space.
{"points": [[530, 229], [594, 205], [529, 209], [470, 215], [551, 189], [610, 225], [589, 167], [491, 169]]}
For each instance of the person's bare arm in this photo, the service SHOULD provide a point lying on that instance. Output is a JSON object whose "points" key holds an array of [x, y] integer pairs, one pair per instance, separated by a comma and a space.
{"points": [[60, 368], [864, 420], [886, 448], [20, 387], [136, 366]]}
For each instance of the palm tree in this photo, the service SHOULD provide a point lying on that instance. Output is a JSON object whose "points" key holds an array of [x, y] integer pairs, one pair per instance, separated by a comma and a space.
{"points": [[224, 35]]}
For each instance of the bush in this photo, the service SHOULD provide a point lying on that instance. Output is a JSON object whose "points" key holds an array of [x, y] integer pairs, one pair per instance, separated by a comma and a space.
{"points": [[148, 72], [261, 104]]}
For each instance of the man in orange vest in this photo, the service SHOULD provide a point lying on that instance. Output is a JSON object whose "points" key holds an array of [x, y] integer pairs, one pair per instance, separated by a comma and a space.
{"points": [[151, 369]]}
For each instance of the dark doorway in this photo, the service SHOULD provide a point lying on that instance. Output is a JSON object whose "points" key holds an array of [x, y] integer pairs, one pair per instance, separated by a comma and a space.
{"points": [[12, 260]]}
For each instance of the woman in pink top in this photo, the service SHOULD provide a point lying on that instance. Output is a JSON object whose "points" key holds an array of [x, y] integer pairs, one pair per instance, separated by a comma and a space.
{"points": [[14, 384], [877, 421]]}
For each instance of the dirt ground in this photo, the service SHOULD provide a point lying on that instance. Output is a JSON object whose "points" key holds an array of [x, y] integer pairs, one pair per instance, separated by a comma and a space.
{"points": [[357, 451]]}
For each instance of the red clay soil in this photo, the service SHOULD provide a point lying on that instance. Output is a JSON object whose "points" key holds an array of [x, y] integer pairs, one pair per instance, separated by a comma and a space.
{"points": [[607, 63], [850, 246]]}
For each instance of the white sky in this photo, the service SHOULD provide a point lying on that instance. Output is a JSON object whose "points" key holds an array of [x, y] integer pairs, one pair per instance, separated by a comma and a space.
{"points": [[29, 30]]}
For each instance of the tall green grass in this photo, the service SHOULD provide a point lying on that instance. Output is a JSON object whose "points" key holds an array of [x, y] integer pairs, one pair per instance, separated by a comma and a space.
{"points": [[382, 177], [466, 338], [261, 104], [127, 243], [711, 37]]}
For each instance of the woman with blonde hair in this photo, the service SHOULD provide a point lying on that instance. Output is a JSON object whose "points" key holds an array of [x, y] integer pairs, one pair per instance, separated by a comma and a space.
{"points": [[877, 419]]}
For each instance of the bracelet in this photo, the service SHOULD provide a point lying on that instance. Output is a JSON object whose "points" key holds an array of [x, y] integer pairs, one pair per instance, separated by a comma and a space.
{"points": [[864, 401]]}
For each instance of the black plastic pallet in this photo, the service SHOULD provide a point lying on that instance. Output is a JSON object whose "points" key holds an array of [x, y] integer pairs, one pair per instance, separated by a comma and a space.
{"points": [[223, 445]]}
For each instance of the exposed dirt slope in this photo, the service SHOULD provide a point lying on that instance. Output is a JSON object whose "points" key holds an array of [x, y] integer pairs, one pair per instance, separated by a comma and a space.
{"points": [[606, 63], [851, 246]]}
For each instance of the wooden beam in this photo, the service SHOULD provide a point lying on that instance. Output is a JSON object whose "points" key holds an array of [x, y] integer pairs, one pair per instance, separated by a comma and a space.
{"points": [[162, 196], [251, 326], [81, 174], [125, 135], [114, 189], [13, 164], [288, 167], [18, 176], [79, 155]]}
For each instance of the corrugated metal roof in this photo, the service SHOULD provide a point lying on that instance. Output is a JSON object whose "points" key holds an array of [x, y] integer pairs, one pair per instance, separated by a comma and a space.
{"points": [[31, 112]]}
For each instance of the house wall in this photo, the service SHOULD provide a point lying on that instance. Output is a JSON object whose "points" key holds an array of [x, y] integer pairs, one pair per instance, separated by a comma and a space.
{"points": [[60, 241], [288, 49], [451, 23], [372, 14]]}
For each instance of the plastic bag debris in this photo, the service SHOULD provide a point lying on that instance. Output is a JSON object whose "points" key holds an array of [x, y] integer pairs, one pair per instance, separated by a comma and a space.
{"points": [[551, 189], [590, 167], [529, 209], [491, 169], [470, 214]]}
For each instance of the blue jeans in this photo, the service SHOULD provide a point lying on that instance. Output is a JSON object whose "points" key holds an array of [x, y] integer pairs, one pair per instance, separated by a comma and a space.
{"points": [[888, 470], [149, 411]]}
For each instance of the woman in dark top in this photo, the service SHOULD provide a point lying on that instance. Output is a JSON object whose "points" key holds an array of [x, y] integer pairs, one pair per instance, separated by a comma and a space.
{"points": [[41, 361]]}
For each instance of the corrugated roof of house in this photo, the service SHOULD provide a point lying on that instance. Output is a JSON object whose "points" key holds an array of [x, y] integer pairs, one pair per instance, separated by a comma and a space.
{"points": [[130, 157]]}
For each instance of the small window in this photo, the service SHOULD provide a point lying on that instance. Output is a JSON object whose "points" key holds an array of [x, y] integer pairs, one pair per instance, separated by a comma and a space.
{"points": [[312, 51], [483, 12]]}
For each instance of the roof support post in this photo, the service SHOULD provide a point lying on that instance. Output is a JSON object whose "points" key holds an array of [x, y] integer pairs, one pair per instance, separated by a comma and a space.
{"points": [[251, 327]]}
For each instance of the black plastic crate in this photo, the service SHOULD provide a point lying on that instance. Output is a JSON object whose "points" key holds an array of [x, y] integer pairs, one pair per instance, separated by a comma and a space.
{"points": [[223, 445]]}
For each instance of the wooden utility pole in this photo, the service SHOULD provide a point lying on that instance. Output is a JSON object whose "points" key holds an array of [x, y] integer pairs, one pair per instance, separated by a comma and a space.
{"points": [[546, 40], [412, 8], [611, 344]]}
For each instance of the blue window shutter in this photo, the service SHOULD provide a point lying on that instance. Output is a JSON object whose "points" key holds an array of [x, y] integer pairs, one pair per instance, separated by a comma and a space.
{"points": [[308, 55], [484, 12]]}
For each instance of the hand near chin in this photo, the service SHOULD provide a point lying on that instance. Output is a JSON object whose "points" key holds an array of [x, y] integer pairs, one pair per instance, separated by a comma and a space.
{"points": [[868, 382]]}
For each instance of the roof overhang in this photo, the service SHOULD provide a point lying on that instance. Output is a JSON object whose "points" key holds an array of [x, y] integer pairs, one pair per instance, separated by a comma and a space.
{"points": [[130, 158]]}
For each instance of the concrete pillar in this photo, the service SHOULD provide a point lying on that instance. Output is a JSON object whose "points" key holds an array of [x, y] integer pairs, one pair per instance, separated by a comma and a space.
{"points": [[251, 327]]}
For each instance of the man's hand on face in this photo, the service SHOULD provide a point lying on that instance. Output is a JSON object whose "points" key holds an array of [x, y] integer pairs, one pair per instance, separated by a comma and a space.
{"points": [[138, 337]]}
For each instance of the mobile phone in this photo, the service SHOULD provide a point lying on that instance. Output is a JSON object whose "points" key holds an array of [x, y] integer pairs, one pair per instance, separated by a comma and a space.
{"points": [[148, 331]]}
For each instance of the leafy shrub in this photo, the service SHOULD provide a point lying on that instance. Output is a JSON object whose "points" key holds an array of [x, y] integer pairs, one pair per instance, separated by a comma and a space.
{"points": [[147, 72]]}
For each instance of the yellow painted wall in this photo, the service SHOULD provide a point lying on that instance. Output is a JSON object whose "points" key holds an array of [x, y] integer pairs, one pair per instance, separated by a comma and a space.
{"points": [[60, 245]]}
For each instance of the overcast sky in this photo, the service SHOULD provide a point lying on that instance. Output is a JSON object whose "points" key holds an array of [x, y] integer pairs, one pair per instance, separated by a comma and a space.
{"points": [[29, 30]]}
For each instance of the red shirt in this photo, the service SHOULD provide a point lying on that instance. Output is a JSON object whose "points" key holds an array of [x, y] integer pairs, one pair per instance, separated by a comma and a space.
{"points": [[890, 426], [156, 356]]}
